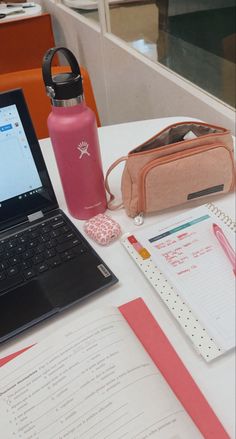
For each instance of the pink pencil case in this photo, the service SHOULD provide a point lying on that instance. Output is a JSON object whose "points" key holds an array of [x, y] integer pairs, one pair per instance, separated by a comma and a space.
{"points": [[186, 161]]}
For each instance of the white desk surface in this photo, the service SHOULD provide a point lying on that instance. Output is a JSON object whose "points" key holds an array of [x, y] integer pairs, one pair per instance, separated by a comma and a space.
{"points": [[27, 12], [217, 379]]}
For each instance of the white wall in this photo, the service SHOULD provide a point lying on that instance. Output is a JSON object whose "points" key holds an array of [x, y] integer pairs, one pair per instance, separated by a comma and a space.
{"points": [[127, 85]]}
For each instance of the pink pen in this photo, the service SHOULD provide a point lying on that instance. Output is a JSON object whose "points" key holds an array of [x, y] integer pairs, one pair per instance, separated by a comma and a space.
{"points": [[225, 246]]}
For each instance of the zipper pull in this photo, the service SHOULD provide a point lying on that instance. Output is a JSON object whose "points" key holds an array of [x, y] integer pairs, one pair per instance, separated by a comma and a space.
{"points": [[139, 219]]}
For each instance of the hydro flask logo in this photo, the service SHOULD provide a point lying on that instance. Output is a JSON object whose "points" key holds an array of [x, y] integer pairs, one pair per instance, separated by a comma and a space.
{"points": [[83, 149]]}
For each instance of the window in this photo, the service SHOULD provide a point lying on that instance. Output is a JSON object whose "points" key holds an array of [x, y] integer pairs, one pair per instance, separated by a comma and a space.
{"points": [[194, 38]]}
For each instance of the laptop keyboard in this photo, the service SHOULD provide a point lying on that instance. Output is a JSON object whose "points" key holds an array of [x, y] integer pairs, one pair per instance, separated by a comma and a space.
{"points": [[36, 250]]}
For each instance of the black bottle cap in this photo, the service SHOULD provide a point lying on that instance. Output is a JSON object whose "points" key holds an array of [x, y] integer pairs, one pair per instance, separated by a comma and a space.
{"points": [[66, 85]]}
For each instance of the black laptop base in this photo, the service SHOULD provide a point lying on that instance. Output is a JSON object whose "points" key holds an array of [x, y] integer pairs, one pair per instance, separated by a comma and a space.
{"points": [[53, 267]]}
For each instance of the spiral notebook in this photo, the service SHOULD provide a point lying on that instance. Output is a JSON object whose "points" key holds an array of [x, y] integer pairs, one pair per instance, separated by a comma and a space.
{"points": [[190, 261]]}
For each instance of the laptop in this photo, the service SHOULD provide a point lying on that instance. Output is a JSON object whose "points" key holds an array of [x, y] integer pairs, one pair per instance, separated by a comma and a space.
{"points": [[46, 264]]}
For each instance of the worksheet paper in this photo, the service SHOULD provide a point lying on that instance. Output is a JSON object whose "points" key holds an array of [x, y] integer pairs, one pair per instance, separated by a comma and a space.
{"points": [[92, 379], [187, 251]]}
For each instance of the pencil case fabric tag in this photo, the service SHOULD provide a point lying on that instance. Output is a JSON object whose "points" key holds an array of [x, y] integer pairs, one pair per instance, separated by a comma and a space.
{"points": [[183, 162]]}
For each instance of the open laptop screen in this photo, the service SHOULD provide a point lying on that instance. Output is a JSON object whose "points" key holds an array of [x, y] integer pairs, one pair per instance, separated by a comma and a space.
{"points": [[25, 187], [16, 158]]}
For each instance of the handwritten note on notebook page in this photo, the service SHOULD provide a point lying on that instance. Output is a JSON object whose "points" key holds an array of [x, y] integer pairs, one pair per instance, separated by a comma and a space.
{"points": [[187, 251], [92, 379]]}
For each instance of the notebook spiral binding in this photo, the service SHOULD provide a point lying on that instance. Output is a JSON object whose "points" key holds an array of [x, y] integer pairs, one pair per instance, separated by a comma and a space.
{"points": [[222, 216]]}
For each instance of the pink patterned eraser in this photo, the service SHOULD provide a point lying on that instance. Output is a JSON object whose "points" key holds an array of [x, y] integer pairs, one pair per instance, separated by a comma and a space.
{"points": [[102, 229]]}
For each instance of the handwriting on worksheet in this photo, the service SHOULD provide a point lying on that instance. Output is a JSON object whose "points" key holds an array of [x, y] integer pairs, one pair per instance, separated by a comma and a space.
{"points": [[184, 253]]}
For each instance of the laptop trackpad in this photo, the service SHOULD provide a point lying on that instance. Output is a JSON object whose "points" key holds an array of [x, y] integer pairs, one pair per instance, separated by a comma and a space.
{"points": [[21, 307]]}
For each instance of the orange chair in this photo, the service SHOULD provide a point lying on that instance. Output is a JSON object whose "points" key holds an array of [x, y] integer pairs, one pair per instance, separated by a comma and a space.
{"points": [[31, 82], [24, 42]]}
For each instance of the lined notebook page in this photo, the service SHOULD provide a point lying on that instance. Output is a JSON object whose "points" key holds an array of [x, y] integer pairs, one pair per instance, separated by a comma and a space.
{"points": [[189, 254]]}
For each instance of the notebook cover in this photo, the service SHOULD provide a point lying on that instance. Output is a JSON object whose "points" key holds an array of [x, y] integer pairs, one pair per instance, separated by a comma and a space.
{"points": [[172, 368]]}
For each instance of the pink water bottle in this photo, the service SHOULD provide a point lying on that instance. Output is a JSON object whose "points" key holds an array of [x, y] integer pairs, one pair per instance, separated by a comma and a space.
{"points": [[73, 132]]}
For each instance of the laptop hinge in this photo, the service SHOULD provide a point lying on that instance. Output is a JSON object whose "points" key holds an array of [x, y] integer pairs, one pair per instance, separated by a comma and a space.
{"points": [[35, 216]]}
